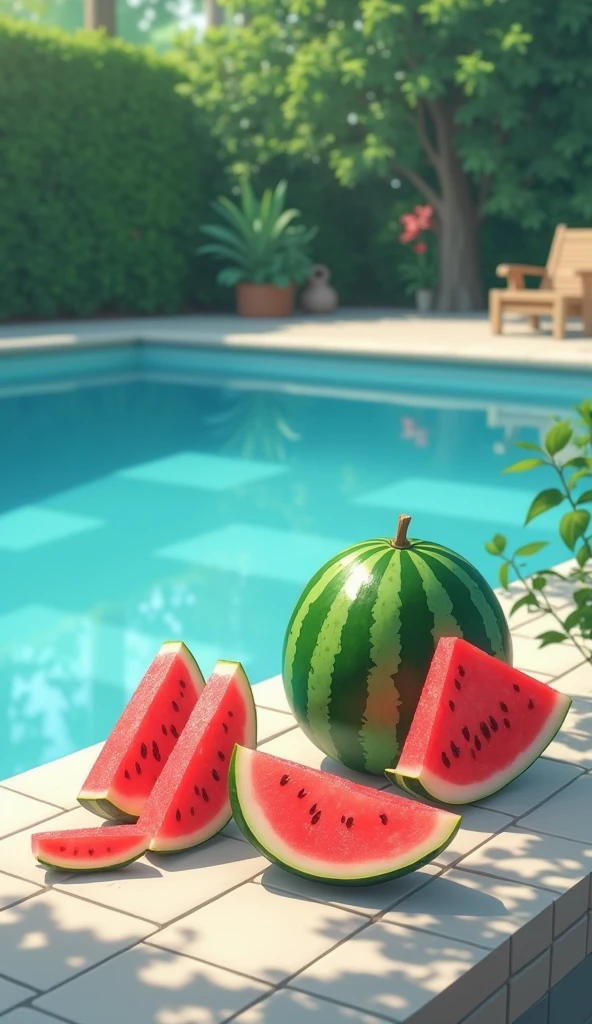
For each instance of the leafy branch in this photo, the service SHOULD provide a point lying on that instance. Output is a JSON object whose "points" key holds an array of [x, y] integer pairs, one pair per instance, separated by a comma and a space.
{"points": [[574, 528]]}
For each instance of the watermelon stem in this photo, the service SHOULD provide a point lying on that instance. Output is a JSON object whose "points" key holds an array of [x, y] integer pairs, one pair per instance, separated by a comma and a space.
{"points": [[400, 539]]}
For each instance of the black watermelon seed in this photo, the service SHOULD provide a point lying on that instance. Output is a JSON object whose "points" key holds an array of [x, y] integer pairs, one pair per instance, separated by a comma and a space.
{"points": [[164, 730], [445, 759], [181, 694], [62, 849], [315, 818], [138, 769], [349, 822], [503, 706], [144, 751], [493, 723], [342, 818], [215, 775], [224, 726], [192, 811], [530, 704], [178, 814], [477, 742], [284, 780], [196, 790], [312, 809], [91, 851], [455, 750], [175, 705], [516, 687], [174, 731], [485, 730], [75, 852], [507, 723], [473, 754], [231, 714], [127, 774], [383, 819], [301, 793], [182, 684], [461, 671], [457, 684], [108, 849], [155, 751], [221, 755], [205, 795], [451, 705], [466, 733]]}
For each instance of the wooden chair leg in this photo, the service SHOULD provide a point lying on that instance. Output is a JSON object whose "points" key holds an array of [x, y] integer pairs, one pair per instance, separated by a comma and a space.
{"points": [[534, 321], [495, 311], [559, 318]]}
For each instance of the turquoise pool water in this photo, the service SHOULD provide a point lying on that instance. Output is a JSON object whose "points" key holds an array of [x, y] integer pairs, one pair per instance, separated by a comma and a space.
{"points": [[153, 492]]}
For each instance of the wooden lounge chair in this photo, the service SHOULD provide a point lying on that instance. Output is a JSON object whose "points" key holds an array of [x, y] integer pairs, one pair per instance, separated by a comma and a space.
{"points": [[565, 289]]}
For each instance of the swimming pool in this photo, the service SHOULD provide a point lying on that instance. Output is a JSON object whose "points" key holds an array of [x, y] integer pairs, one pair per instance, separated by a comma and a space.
{"points": [[151, 492]]}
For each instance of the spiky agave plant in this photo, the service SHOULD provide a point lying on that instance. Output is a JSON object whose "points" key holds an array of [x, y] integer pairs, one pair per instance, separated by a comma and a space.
{"points": [[259, 240]]}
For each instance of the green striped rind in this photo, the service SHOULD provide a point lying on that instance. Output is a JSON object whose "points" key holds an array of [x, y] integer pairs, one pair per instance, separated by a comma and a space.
{"points": [[72, 870], [240, 815], [362, 637], [105, 809], [407, 783]]}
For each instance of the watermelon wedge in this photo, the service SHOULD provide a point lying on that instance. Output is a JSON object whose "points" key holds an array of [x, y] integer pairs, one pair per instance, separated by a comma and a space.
{"points": [[90, 849], [328, 829], [478, 725], [141, 742], [189, 802]]}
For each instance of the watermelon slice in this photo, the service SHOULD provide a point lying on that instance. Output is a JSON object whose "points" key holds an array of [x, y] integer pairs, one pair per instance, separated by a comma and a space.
{"points": [[90, 849], [326, 828], [478, 724], [141, 742], [189, 802]]}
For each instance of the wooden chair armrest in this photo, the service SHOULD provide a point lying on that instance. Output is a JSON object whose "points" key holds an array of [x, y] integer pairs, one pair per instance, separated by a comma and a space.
{"points": [[516, 272]]}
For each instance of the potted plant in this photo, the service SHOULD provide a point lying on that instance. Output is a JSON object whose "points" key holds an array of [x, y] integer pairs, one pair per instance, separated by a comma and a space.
{"points": [[420, 269], [265, 251]]}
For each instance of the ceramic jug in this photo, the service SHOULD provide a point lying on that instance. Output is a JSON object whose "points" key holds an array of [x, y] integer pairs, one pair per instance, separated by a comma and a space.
{"points": [[319, 296]]}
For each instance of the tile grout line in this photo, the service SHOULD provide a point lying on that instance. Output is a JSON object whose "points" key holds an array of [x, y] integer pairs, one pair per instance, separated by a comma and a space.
{"points": [[50, 803]]}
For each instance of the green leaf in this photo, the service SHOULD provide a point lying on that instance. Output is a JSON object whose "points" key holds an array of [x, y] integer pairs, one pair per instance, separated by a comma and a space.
{"points": [[574, 618], [573, 525], [552, 636], [496, 546], [579, 462], [584, 498], [539, 583], [491, 548], [503, 574], [529, 446], [583, 596], [531, 549], [525, 466], [558, 437], [528, 599], [583, 554], [544, 501], [576, 477]]}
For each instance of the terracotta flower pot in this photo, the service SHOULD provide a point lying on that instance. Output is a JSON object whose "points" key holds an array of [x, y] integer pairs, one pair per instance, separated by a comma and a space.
{"points": [[264, 300]]}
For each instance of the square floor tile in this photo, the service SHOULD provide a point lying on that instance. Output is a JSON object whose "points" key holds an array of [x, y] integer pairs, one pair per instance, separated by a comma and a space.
{"points": [[398, 972], [492, 1011], [161, 888], [289, 932], [562, 815], [16, 857], [272, 723], [14, 890], [570, 906], [25, 1015], [58, 782], [12, 994], [536, 784], [554, 659], [569, 950], [203, 471], [533, 627], [287, 1007], [52, 937], [577, 683], [477, 826], [472, 908], [34, 525], [18, 811], [529, 985], [573, 743], [271, 694], [155, 986], [295, 746], [365, 899]]}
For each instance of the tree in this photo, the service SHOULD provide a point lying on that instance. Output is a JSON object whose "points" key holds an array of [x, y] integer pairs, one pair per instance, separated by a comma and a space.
{"points": [[483, 105]]}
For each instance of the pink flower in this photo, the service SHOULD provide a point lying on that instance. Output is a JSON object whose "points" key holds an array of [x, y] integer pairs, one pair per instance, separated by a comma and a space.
{"points": [[424, 216], [420, 248], [411, 228]]}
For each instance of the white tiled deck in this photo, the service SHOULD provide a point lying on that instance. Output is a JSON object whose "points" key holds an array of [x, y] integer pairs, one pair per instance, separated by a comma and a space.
{"points": [[217, 933]]}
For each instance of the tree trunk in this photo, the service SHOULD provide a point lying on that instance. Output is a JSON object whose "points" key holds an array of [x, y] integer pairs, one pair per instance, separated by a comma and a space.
{"points": [[100, 14], [460, 284], [214, 13]]}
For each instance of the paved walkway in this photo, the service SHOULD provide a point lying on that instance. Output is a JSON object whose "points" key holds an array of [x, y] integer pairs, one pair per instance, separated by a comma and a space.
{"points": [[374, 332]]}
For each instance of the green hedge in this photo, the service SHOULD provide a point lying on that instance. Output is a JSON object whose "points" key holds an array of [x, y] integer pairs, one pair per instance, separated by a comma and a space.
{"points": [[105, 174]]}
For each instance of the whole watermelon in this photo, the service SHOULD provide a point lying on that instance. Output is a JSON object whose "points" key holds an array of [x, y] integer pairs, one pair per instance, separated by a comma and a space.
{"points": [[362, 636]]}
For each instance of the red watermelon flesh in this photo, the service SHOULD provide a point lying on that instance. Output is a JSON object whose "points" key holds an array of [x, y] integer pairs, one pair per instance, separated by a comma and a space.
{"points": [[143, 739], [190, 803], [479, 723], [90, 849], [326, 828]]}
